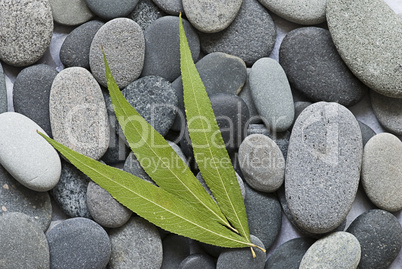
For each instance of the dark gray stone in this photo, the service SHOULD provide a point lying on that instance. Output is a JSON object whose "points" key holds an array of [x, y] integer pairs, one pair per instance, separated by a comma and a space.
{"points": [[3, 92], [367, 132], [162, 40], [72, 12], [380, 237], [31, 94], [75, 49], [17, 198], [314, 67], [198, 261], [323, 166], [145, 13], [133, 166], [289, 254], [250, 36], [70, 193], [245, 94], [78, 243], [172, 7], [175, 249], [388, 112], [110, 9], [23, 243]]}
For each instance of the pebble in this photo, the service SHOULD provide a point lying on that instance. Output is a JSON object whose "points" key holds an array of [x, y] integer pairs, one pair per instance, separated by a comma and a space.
{"points": [[78, 243], [110, 9], [380, 237], [136, 245], [155, 100], [264, 215], [314, 67], [133, 166], [262, 163], [17, 198], [78, 114], [123, 42], [23, 243], [145, 13], [104, 209], [211, 16], [289, 254], [70, 12], [172, 7], [376, 29], [3, 91], [240, 258], [272, 95], [338, 250], [250, 36], [367, 132], [26, 28], [27, 156], [382, 171], [162, 40], [388, 112], [305, 12], [323, 166], [245, 94], [198, 261], [70, 193], [31, 92], [175, 249], [75, 49], [239, 180]]}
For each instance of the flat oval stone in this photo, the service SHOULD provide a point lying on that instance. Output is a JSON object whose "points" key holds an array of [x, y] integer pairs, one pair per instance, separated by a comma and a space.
{"points": [[198, 261], [23, 243], [272, 95], [110, 9], [31, 94], [338, 250], [78, 243], [250, 36], [75, 49], [78, 114], [261, 163], [211, 16], [388, 112], [27, 156], [26, 28], [375, 29], [145, 13], [302, 12], [136, 245], [382, 171], [162, 40], [380, 237], [123, 42], [314, 67], [70, 12], [3, 92], [172, 7], [323, 166]]}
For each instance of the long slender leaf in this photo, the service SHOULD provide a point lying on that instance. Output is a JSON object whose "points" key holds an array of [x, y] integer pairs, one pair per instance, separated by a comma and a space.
{"points": [[208, 144], [153, 203]]}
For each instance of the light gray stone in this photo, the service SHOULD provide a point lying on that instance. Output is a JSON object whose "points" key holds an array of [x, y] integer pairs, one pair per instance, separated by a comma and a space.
{"points": [[123, 42], [70, 12], [272, 95], [3, 91], [382, 171], [172, 7], [78, 114], [323, 166], [388, 112], [373, 54], [27, 156]]}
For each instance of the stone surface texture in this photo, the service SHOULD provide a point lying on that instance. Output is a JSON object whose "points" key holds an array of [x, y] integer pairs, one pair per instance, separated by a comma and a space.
{"points": [[388, 112], [111, 9], [3, 91], [70, 12]]}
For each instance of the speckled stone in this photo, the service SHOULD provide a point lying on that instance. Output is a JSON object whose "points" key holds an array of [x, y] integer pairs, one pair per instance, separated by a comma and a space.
{"points": [[3, 91], [380, 237], [17, 198], [23, 243], [26, 28], [136, 245], [78, 114], [198, 261], [211, 16], [323, 166], [145, 13], [172, 7], [314, 67], [305, 12], [272, 95], [111, 9], [373, 54], [388, 112], [338, 250], [250, 36], [31, 92], [75, 49], [382, 171], [70, 12], [367, 132]]}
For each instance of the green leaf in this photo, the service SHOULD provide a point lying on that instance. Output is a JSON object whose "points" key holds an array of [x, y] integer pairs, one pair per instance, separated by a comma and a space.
{"points": [[209, 149], [153, 203]]}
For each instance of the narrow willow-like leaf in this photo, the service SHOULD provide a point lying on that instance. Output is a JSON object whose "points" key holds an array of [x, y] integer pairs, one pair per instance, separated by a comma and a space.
{"points": [[153, 203], [209, 149], [164, 166]]}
